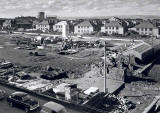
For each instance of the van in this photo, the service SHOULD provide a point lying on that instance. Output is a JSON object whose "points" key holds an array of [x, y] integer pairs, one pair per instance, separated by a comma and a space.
{"points": [[52, 107]]}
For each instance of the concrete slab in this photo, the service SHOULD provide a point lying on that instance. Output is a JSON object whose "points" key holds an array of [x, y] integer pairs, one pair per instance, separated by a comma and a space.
{"points": [[96, 81]]}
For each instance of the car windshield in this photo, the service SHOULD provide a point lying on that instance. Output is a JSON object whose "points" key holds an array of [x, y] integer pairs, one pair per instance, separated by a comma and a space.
{"points": [[26, 97]]}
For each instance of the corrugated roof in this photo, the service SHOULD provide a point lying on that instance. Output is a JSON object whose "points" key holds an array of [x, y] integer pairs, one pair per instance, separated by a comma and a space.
{"points": [[113, 24], [145, 24], [85, 23], [141, 48]]}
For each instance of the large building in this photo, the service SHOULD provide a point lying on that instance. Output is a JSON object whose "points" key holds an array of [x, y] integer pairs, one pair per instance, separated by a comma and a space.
{"points": [[41, 16], [113, 27], [43, 26], [59, 26], [85, 27], [146, 28]]}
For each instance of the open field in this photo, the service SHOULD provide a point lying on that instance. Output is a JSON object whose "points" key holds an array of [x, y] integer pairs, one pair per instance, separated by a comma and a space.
{"points": [[22, 57]]}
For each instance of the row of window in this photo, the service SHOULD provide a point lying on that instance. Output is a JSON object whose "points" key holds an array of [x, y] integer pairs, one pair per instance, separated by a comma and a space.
{"points": [[144, 29], [43, 29], [83, 31], [83, 26], [112, 28], [145, 33], [42, 25], [110, 32], [58, 26]]}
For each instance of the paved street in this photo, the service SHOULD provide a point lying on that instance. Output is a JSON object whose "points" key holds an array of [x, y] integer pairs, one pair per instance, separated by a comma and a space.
{"points": [[5, 108]]}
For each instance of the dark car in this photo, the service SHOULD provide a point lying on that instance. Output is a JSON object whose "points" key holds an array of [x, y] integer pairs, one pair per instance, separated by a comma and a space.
{"points": [[22, 100]]}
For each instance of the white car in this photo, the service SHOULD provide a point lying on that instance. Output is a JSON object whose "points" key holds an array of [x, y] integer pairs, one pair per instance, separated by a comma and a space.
{"points": [[52, 107]]}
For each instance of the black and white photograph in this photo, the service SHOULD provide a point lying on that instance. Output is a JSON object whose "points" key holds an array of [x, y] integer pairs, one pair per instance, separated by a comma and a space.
{"points": [[79, 56]]}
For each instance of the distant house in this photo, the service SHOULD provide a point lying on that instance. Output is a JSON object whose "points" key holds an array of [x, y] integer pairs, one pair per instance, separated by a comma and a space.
{"points": [[59, 26], [43, 26], [85, 27], [51, 20], [23, 24], [34, 23], [146, 28], [113, 27], [8, 24]]}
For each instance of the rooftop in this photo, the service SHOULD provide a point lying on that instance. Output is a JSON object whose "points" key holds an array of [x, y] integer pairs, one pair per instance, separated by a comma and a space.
{"points": [[142, 47], [44, 22], [85, 23], [113, 24], [145, 24]]}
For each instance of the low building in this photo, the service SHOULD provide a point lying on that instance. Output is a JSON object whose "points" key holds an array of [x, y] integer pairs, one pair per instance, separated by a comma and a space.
{"points": [[23, 24], [146, 28], [113, 27], [43, 26], [85, 27], [142, 52]]}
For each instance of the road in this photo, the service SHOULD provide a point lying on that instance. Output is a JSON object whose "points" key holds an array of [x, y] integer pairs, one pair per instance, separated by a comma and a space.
{"points": [[5, 108]]}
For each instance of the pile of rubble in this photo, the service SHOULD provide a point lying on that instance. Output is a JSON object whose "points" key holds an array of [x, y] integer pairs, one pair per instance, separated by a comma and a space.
{"points": [[117, 104]]}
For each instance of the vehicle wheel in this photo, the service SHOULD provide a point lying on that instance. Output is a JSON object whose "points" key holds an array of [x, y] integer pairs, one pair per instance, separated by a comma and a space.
{"points": [[11, 104], [26, 110]]}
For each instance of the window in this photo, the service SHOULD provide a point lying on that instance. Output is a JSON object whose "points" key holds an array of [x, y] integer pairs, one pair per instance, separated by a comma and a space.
{"points": [[141, 29], [150, 29], [106, 27], [17, 98], [78, 26], [145, 29], [112, 27], [87, 26], [137, 29], [116, 28]]}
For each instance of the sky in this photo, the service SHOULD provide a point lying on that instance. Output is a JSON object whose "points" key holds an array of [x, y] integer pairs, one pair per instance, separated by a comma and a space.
{"points": [[78, 8]]}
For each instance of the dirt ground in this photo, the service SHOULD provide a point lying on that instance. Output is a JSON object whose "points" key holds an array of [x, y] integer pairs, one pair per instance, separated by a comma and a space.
{"points": [[68, 63]]}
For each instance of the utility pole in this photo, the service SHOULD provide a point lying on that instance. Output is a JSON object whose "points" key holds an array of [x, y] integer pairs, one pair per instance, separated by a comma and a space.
{"points": [[105, 67]]}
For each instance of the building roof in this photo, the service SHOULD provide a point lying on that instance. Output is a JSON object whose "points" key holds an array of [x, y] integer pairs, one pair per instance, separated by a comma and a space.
{"points": [[142, 47], [145, 24], [23, 21], [61, 23], [54, 106], [44, 22], [113, 24], [85, 23]]}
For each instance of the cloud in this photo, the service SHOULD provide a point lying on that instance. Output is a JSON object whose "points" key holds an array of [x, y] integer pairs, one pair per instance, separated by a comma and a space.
{"points": [[80, 7]]}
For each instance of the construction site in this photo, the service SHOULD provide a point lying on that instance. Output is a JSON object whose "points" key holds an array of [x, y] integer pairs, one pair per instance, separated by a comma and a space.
{"points": [[116, 74]]}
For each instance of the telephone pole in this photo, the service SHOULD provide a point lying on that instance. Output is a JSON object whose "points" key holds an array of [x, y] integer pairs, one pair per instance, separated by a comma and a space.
{"points": [[105, 67]]}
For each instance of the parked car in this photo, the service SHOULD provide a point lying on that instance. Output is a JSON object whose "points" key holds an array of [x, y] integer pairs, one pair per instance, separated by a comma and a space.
{"points": [[52, 107], [22, 100], [2, 94]]}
